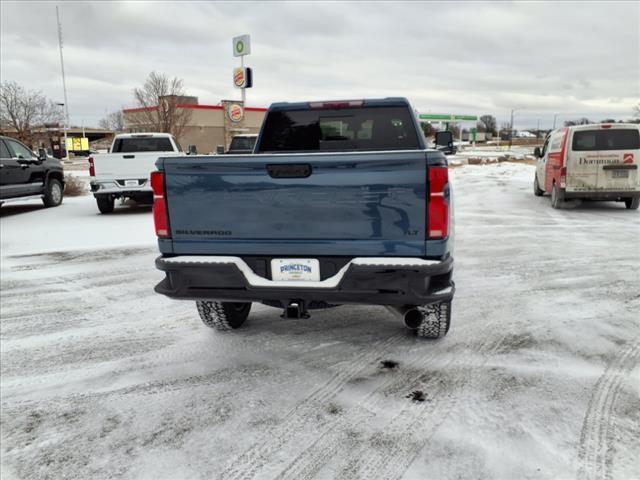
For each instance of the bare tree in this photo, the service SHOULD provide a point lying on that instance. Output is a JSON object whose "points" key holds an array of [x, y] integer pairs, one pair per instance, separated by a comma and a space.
{"points": [[428, 129], [22, 110], [113, 121], [490, 123], [579, 121], [158, 99]]}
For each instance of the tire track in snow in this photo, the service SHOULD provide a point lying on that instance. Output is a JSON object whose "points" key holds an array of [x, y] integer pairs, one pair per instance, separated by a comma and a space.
{"points": [[405, 444], [418, 427], [247, 464], [328, 444], [595, 452]]}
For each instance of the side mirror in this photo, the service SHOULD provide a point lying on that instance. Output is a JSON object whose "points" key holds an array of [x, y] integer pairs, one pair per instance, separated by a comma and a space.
{"points": [[537, 152], [42, 154], [444, 139], [220, 149], [192, 150]]}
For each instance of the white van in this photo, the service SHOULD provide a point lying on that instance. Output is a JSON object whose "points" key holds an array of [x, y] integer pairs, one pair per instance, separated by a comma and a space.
{"points": [[590, 162]]}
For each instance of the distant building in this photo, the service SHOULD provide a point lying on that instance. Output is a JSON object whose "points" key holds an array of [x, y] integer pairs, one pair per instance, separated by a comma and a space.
{"points": [[525, 134], [209, 125], [467, 136], [51, 137]]}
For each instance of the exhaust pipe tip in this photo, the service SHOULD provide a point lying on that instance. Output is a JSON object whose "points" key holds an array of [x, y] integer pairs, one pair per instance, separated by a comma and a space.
{"points": [[410, 315], [412, 318]]}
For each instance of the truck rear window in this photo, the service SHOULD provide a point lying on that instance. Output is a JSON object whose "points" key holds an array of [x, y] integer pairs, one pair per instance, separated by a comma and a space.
{"points": [[242, 143], [348, 129], [142, 144], [613, 139]]}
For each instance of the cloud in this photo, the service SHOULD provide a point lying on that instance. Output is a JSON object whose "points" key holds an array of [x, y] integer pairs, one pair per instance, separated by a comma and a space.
{"points": [[570, 59]]}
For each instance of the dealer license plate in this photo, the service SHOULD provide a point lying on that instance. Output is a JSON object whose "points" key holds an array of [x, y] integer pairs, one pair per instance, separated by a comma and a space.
{"points": [[295, 269], [131, 183], [621, 174]]}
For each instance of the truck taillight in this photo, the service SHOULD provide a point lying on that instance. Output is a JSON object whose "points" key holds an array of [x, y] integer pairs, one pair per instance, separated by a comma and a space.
{"points": [[337, 104], [160, 218], [563, 177], [438, 225], [92, 168]]}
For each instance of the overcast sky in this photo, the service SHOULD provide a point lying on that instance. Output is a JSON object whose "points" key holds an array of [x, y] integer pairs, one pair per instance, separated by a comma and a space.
{"points": [[574, 59]]}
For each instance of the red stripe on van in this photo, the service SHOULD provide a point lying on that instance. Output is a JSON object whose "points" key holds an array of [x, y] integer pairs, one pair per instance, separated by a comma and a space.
{"points": [[563, 152]]}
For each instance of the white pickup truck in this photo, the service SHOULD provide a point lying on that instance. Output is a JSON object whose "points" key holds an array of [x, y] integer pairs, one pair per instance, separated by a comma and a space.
{"points": [[124, 171]]}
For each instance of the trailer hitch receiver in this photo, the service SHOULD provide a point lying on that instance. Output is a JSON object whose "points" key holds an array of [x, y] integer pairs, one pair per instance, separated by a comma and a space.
{"points": [[295, 310]]}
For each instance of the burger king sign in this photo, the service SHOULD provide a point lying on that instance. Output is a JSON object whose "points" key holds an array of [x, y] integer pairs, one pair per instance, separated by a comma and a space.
{"points": [[242, 77], [239, 77], [235, 112]]}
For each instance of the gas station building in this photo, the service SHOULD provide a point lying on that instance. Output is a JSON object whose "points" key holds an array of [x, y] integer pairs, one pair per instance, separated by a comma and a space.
{"points": [[447, 118], [208, 126]]}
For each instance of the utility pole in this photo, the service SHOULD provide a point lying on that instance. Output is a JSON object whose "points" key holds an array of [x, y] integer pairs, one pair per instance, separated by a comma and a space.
{"points": [[64, 87], [554, 121], [511, 128], [538, 130]]}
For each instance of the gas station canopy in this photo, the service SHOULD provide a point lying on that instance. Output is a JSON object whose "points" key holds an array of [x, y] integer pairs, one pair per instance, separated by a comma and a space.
{"points": [[447, 117]]}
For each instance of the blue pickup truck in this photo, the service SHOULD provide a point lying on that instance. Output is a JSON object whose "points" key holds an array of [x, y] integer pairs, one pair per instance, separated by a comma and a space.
{"points": [[341, 203]]}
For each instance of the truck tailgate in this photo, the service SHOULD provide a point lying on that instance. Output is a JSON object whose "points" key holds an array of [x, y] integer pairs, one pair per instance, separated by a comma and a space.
{"points": [[371, 203], [114, 166]]}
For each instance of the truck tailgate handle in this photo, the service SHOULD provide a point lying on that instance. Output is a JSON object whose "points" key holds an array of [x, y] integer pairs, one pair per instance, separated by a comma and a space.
{"points": [[128, 156], [289, 170]]}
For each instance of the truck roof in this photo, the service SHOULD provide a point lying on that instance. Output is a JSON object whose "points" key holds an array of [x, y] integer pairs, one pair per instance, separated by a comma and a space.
{"points": [[143, 135], [604, 125], [592, 126], [366, 102]]}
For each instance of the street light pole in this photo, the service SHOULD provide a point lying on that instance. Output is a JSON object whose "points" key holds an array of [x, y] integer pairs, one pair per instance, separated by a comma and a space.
{"points": [[554, 120], [64, 130], [64, 87]]}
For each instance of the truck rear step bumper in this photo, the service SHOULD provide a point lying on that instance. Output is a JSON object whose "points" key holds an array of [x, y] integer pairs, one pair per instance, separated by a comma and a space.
{"points": [[603, 195], [363, 280]]}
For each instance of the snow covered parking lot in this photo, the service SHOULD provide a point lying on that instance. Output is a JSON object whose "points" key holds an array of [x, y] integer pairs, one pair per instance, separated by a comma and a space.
{"points": [[538, 378]]}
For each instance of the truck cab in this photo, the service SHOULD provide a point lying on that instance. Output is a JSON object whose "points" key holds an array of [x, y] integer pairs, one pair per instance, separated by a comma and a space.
{"points": [[590, 162], [243, 143], [25, 175]]}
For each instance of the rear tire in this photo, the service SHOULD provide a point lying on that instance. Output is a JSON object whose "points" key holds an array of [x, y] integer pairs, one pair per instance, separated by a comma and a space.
{"points": [[536, 187], [105, 204], [223, 315], [53, 193], [632, 203], [436, 320], [557, 197]]}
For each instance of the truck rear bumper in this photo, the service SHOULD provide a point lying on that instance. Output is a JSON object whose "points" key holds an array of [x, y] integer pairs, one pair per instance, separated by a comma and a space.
{"points": [[603, 195], [364, 280], [141, 193], [117, 187]]}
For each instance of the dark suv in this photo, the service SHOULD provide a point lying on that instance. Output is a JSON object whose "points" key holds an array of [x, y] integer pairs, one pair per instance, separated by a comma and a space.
{"points": [[24, 174]]}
